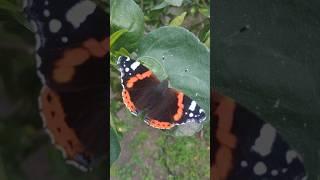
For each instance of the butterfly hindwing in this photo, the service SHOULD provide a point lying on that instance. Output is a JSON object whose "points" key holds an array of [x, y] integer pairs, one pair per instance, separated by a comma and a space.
{"points": [[246, 147]]}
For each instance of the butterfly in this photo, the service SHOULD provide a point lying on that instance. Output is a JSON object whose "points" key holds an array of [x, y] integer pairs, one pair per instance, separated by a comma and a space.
{"points": [[164, 107]]}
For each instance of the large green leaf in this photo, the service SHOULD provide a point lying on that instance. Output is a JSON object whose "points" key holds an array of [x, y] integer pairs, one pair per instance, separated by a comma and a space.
{"points": [[114, 146], [176, 54], [126, 14], [272, 66]]}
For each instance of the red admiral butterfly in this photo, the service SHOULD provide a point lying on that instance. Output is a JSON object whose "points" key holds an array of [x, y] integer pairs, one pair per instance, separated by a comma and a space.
{"points": [[245, 147], [72, 44], [164, 107]]}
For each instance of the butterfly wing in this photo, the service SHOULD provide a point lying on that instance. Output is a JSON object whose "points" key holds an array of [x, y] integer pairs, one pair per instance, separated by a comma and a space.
{"points": [[77, 130], [72, 42], [137, 82], [248, 148], [176, 109]]}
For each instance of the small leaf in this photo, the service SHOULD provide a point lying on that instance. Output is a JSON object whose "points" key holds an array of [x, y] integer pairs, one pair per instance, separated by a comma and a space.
{"points": [[115, 36], [205, 12], [177, 21], [207, 42], [160, 6]]}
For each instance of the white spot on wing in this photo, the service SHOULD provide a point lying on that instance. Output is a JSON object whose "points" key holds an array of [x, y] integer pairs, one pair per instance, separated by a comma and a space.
{"points": [[54, 25], [79, 12], [284, 170], [64, 39], [46, 13], [127, 69], [191, 115], [291, 155], [38, 41], [264, 142], [38, 60], [244, 164], [134, 65], [260, 168], [42, 79], [192, 106], [274, 172]]}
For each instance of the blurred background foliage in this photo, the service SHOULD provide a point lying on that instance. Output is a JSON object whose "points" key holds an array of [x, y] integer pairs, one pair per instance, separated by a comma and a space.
{"points": [[148, 153], [25, 149]]}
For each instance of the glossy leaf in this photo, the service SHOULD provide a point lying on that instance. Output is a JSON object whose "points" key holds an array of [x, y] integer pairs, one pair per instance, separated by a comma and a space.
{"points": [[126, 14], [116, 35], [266, 56]]}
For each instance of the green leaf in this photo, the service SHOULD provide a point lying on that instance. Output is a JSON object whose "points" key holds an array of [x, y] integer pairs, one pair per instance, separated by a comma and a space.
{"points": [[177, 3], [114, 146], [7, 5], [126, 14], [273, 67], [116, 35], [162, 5], [205, 12], [207, 42], [177, 21], [176, 54]]}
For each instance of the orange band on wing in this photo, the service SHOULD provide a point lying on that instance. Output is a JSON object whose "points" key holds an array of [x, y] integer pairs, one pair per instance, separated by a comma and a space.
{"points": [[95, 48], [105, 44], [54, 119], [179, 113], [138, 77], [76, 56], [127, 100], [228, 141], [160, 124]]}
